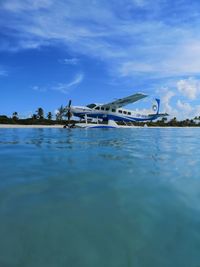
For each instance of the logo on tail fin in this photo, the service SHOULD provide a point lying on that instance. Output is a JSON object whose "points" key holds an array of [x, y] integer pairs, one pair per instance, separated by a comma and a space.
{"points": [[156, 107]]}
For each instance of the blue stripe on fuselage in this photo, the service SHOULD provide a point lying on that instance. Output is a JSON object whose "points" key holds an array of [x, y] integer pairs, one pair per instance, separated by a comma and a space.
{"points": [[115, 117]]}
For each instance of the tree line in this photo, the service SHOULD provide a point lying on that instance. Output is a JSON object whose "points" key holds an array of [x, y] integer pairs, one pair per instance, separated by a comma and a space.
{"points": [[39, 117], [60, 115], [174, 122]]}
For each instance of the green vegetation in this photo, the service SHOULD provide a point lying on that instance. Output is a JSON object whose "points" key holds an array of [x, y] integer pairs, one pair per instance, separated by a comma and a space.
{"points": [[172, 123], [15, 116], [40, 114], [61, 113], [49, 116], [39, 118], [30, 121]]}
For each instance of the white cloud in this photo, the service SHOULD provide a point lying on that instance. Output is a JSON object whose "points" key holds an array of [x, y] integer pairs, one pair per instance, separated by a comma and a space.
{"points": [[184, 58], [65, 87], [70, 61], [140, 3], [18, 5], [131, 68], [186, 110], [39, 89], [166, 101], [189, 87], [94, 28], [61, 87], [36, 88], [177, 107]]}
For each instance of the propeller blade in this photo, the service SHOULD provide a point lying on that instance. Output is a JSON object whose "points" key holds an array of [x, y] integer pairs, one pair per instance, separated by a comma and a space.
{"points": [[69, 114]]}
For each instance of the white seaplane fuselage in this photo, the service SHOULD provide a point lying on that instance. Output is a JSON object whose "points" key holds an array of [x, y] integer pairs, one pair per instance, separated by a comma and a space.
{"points": [[110, 113], [113, 112]]}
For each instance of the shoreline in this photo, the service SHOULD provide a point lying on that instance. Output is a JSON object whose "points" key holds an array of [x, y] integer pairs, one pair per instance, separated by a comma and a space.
{"points": [[58, 126], [16, 126]]}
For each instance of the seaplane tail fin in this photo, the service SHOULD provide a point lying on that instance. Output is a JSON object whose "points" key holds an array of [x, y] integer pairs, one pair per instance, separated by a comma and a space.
{"points": [[156, 108], [158, 105]]}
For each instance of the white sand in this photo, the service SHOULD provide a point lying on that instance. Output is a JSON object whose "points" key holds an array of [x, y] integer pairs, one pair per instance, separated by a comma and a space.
{"points": [[29, 126]]}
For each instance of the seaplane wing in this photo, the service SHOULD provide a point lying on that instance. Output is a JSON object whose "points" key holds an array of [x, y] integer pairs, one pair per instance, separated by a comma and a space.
{"points": [[125, 101]]}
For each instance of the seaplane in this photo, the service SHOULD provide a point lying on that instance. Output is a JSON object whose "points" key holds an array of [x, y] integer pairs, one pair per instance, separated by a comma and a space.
{"points": [[112, 114]]}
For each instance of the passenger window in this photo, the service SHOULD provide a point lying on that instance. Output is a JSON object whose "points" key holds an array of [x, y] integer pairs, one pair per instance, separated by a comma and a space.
{"points": [[113, 110], [120, 111], [129, 113], [124, 112], [97, 108], [107, 108], [102, 108]]}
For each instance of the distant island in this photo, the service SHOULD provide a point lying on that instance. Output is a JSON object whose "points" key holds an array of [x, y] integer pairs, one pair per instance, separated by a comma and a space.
{"points": [[40, 118]]}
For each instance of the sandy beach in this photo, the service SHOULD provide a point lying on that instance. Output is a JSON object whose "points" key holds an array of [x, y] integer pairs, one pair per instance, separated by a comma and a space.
{"points": [[4, 126]]}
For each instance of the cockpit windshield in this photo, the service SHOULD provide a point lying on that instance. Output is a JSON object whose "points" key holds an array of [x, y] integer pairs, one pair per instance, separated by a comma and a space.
{"points": [[91, 105]]}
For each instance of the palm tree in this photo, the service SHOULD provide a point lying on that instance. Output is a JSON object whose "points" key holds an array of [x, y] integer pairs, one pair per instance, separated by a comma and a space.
{"points": [[34, 117], [15, 115], [40, 113], [61, 113], [49, 116]]}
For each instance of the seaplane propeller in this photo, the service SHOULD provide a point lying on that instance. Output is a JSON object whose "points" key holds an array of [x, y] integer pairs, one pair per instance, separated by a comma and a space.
{"points": [[69, 114]]}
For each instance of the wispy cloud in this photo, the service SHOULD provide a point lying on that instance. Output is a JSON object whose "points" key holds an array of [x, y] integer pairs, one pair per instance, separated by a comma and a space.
{"points": [[61, 87], [189, 87], [65, 87], [130, 36], [39, 89], [69, 61], [186, 110], [18, 5], [166, 101]]}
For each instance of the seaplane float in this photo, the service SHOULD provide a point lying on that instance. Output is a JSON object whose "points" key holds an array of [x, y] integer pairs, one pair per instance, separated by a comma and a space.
{"points": [[111, 115]]}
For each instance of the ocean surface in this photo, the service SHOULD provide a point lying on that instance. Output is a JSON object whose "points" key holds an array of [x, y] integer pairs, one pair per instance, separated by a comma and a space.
{"points": [[100, 197]]}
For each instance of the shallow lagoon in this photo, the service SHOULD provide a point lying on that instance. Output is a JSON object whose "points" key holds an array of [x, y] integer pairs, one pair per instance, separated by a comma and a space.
{"points": [[103, 198]]}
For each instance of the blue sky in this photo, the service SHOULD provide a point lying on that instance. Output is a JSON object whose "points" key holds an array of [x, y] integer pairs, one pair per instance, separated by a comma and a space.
{"points": [[99, 50]]}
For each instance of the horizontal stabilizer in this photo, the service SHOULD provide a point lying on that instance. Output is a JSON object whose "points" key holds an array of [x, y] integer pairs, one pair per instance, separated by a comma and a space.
{"points": [[159, 115]]}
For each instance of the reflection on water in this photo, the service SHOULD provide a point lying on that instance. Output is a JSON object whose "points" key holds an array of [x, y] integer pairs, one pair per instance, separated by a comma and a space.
{"points": [[99, 197]]}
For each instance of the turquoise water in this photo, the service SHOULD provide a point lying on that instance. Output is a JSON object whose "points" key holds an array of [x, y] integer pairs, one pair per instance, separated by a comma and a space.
{"points": [[99, 198]]}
